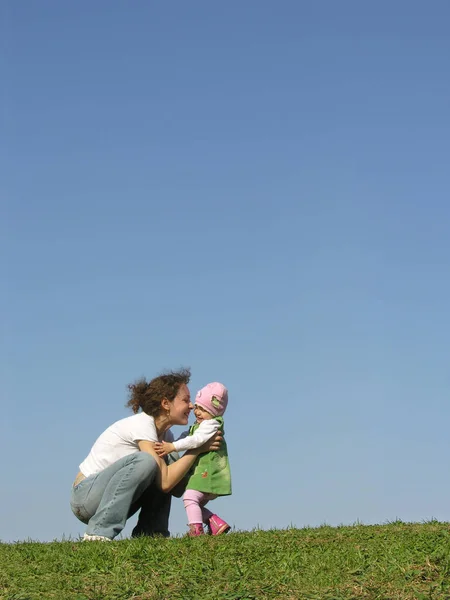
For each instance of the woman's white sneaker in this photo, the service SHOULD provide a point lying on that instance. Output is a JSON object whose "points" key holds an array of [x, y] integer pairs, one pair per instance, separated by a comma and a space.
{"points": [[95, 538]]}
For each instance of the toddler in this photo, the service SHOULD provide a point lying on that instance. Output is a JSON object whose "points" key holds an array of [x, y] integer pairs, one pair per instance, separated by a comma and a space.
{"points": [[210, 475]]}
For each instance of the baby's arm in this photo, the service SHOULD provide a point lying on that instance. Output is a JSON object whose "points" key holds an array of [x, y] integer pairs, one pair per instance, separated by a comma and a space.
{"points": [[164, 448], [204, 432]]}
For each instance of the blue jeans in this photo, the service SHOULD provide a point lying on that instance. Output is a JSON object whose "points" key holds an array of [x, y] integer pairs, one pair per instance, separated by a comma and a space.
{"points": [[107, 499]]}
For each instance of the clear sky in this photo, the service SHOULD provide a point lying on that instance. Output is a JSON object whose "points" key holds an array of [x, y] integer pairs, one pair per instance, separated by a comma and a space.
{"points": [[258, 190]]}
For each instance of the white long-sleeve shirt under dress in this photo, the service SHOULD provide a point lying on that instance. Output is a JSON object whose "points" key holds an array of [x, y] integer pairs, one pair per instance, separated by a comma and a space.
{"points": [[205, 431]]}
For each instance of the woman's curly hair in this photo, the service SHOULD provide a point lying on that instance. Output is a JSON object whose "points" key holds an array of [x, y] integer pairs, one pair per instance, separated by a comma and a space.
{"points": [[147, 396]]}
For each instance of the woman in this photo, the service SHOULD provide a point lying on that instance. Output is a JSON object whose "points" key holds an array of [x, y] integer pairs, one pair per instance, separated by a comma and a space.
{"points": [[123, 472]]}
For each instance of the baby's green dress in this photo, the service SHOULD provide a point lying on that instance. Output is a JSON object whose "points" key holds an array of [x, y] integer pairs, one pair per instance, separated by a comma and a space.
{"points": [[211, 473]]}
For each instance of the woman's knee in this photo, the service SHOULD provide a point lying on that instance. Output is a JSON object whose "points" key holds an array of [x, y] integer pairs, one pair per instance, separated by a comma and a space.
{"points": [[146, 464]]}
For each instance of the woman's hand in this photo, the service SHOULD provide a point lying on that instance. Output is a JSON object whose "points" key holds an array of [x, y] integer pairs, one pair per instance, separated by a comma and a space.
{"points": [[212, 445]]}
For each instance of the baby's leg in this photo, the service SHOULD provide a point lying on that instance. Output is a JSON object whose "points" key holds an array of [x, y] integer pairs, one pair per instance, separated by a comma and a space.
{"points": [[216, 525], [193, 505], [206, 513]]}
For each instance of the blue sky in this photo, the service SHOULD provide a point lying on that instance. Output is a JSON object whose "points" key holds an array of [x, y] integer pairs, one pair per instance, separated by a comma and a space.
{"points": [[258, 190]]}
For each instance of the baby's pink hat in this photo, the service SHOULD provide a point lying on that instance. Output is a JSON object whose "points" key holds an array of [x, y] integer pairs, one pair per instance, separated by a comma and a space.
{"points": [[213, 398]]}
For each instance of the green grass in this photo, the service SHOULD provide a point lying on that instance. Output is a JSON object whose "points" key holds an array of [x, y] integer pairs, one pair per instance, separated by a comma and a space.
{"points": [[388, 562]]}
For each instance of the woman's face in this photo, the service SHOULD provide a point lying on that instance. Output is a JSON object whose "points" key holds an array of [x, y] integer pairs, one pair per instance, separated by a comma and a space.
{"points": [[181, 406]]}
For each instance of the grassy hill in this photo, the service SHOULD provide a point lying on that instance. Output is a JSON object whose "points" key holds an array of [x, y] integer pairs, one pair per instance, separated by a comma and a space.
{"points": [[389, 562]]}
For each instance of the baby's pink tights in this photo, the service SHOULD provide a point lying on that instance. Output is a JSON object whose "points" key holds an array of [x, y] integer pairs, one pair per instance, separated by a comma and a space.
{"points": [[194, 503]]}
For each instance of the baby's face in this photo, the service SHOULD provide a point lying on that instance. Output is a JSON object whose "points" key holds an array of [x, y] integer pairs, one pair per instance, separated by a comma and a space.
{"points": [[201, 414]]}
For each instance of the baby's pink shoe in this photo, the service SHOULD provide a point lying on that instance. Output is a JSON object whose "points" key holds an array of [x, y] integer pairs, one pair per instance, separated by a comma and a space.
{"points": [[195, 529], [217, 525]]}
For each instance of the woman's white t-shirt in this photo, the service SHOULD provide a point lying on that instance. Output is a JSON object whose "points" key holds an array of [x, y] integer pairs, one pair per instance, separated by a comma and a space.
{"points": [[119, 440]]}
